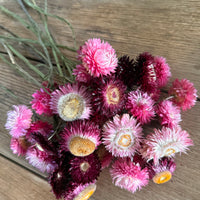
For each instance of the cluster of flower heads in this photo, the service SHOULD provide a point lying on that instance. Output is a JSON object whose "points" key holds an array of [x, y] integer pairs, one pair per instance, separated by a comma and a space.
{"points": [[97, 121]]}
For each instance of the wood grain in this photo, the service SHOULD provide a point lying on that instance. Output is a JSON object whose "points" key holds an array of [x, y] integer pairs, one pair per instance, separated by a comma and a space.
{"points": [[166, 28], [19, 184]]}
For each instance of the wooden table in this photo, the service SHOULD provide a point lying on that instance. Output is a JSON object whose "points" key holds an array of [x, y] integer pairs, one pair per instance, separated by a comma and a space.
{"points": [[167, 28]]}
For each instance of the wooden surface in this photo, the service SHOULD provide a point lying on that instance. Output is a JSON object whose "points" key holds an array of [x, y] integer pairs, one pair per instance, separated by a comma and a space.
{"points": [[166, 28]]}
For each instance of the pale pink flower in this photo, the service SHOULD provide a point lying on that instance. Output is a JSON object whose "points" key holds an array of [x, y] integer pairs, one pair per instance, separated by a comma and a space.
{"points": [[163, 171], [19, 145], [122, 136], [141, 106], [184, 93], [19, 120], [41, 159], [170, 115], [128, 175], [71, 102], [98, 57], [40, 102], [165, 142]]}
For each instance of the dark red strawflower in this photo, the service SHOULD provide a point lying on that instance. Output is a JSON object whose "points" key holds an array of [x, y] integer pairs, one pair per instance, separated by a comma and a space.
{"points": [[110, 97], [126, 71], [85, 169]]}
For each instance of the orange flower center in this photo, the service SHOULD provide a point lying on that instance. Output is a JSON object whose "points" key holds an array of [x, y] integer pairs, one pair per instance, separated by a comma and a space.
{"points": [[162, 177], [81, 147], [170, 151], [86, 193], [125, 140], [112, 95]]}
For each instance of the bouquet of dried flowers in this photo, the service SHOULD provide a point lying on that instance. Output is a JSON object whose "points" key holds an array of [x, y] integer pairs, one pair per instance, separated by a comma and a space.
{"points": [[98, 120]]}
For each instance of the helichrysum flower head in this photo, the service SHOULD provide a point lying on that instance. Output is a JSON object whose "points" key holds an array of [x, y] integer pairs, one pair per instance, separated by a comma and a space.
{"points": [[128, 175], [41, 100], [98, 57], [80, 191], [169, 114], [163, 171], [44, 128], [141, 106], [184, 93], [109, 98], [19, 120], [85, 169], [41, 159], [71, 102], [165, 142], [19, 145], [125, 71], [81, 138], [122, 135]]}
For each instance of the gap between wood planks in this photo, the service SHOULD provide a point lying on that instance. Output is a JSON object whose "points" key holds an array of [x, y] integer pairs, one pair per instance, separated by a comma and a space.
{"points": [[40, 61]]}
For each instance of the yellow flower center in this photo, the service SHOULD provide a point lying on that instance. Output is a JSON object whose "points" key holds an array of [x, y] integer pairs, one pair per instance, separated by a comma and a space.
{"points": [[81, 147], [124, 140], [162, 177], [86, 193], [70, 107], [112, 95], [84, 166], [170, 151]]}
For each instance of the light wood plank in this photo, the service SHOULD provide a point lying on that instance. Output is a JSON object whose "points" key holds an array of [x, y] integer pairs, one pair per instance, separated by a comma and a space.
{"points": [[19, 184]]}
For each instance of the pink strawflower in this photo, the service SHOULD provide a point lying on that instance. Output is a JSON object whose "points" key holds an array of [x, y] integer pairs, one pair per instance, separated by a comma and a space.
{"points": [[40, 102], [128, 175], [162, 71], [165, 142], [80, 191], [81, 138], [122, 136], [170, 115], [163, 171], [71, 102], [109, 98], [41, 159], [98, 57], [19, 120], [44, 128], [85, 169], [141, 106], [184, 93], [19, 145], [81, 74]]}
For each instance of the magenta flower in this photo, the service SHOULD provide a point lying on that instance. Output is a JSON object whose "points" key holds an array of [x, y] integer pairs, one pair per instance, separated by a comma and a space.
{"points": [[80, 191], [81, 138], [165, 142], [110, 97], [122, 136], [98, 57], [44, 128], [71, 102], [19, 120], [184, 93], [128, 175], [141, 106], [41, 100], [85, 169], [163, 171], [169, 114], [81, 74], [41, 159], [19, 145]]}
